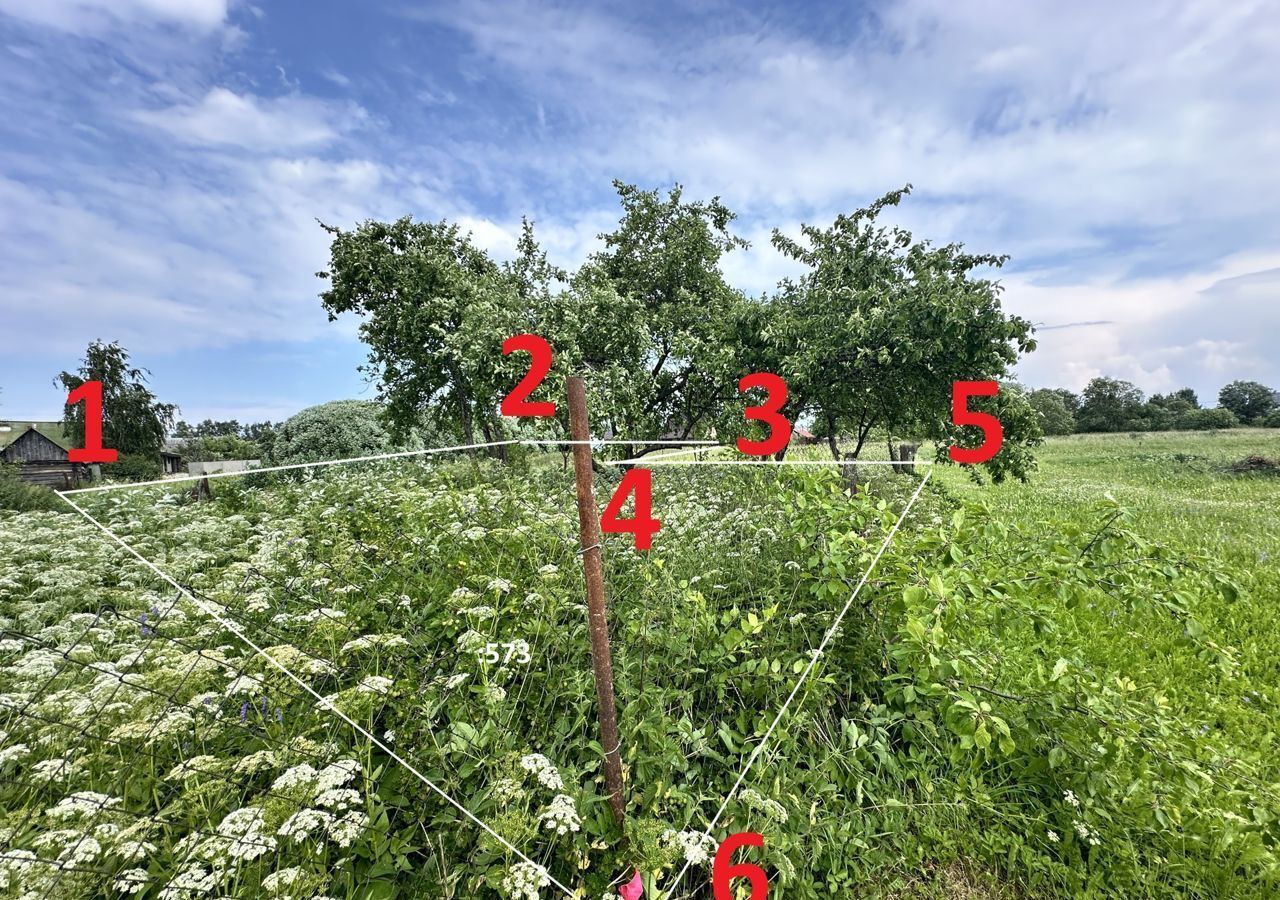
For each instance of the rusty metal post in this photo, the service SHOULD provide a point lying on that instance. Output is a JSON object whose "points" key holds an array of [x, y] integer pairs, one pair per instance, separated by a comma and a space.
{"points": [[601, 659]]}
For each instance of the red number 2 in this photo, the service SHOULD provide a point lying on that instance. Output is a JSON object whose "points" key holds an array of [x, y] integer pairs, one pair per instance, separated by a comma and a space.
{"points": [[992, 430], [724, 870], [767, 412], [517, 403], [92, 452], [643, 524]]}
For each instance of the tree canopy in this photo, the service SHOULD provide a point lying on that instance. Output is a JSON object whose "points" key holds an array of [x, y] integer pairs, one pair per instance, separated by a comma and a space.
{"points": [[336, 430], [1249, 400], [134, 422], [869, 337]]}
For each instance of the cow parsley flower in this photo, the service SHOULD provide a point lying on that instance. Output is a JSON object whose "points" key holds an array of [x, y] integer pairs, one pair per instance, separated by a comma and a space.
{"points": [[130, 881], [244, 827], [525, 881], [81, 803], [336, 774], [348, 827], [194, 880], [304, 824], [338, 799], [297, 776], [696, 847], [543, 770], [13, 752], [561, 816], [277, 882], [768, 806]]}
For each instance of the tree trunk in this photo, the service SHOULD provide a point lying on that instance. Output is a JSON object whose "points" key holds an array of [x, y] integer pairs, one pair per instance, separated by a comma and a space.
{"points": [[850, 474], [468, 427]]}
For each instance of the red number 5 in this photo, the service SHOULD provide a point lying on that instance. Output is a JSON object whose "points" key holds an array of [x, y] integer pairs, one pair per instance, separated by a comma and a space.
{"points": [[767, 412], [724, 870], [992, 430]]}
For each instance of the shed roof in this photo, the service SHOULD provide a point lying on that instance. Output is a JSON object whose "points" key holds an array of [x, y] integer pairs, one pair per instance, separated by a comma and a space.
{"points": [[10, 431]]}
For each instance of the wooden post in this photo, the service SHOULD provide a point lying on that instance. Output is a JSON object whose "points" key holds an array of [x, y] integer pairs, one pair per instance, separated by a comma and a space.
{"points": [[601, 659]]}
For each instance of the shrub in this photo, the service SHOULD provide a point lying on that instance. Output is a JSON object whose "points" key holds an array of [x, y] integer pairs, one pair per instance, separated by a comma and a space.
{"points": [[133, 467], [335, 430], [1271, 420], [19, 496], [1207, 419]]}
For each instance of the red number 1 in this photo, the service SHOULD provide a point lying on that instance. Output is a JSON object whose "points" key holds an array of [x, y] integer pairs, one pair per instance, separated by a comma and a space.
{"points": [[92, 452]]}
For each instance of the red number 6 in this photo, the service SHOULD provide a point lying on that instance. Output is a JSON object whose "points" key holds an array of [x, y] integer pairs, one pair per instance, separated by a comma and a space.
{"points": [[992, 430], [724, 870]]}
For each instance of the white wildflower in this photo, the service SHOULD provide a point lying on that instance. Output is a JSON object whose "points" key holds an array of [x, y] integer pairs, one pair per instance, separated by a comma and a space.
{"points": [[696, 847], [337, 774], [297, 776], [561, 816], [130, 881], [525, 881], [543, 770], [348, 827], [304, 824], [81, 803]]}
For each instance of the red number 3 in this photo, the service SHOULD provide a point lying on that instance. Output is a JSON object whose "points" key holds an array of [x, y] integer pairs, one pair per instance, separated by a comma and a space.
{"points": [[724, 869], [992, 430], [767, 412]]}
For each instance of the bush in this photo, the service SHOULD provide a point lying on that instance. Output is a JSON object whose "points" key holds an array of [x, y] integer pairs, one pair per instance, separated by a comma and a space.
{"points": [[1271, 420], [335, 430], [133, 467], [206, 449], [1207, 419], [19, 496]]}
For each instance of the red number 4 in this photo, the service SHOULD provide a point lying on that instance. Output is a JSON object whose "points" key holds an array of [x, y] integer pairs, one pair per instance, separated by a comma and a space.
{"points": [[992, 430], [642, 524], [92, 452], [724, 869]]}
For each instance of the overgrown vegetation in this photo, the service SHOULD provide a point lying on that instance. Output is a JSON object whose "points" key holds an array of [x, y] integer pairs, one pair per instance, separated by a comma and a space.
{"points": [[1070, 693]]}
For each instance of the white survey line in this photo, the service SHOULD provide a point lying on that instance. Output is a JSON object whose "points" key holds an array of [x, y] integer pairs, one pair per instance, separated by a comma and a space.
{"points": [[765, 462], [805, 675], [309, 465], [611, 441], [235, 629]]}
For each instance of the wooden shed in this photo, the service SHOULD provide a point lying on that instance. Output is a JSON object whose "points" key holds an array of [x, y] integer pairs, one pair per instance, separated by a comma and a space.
{"points": [[39, 450]]}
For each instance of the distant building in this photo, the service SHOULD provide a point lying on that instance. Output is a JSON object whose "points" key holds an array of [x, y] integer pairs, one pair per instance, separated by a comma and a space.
{"points": [[171, 457], [39, 450]]}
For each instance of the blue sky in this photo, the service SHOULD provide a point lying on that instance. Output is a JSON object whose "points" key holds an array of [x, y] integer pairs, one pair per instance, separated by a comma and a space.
{"points": [[163, 164]]}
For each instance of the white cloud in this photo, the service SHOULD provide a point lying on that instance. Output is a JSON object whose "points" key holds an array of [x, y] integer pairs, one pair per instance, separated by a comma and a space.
{"points": [[87, 17], [222, 118], [1201, 329]]}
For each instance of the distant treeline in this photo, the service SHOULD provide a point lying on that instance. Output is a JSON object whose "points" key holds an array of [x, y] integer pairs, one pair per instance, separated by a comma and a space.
{"points": [[1108, 404]]}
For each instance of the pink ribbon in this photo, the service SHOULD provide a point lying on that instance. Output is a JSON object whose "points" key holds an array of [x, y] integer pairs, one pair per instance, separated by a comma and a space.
{"points": [[633, 889]]}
